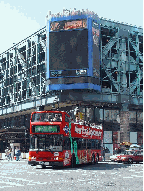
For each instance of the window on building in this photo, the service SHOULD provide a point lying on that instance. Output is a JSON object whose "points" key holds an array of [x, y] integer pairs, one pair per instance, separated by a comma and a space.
{"points": [[132, 116]]}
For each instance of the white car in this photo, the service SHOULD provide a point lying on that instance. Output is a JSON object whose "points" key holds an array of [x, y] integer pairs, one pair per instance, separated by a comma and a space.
{"points": [[135, 147], [114, 157]]}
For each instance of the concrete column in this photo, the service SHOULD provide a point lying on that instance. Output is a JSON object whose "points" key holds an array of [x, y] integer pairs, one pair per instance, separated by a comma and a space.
{"points": [[124, 125]]}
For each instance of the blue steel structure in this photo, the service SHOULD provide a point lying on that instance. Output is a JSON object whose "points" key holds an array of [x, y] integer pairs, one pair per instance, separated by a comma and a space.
{"points": [[115, 100]]}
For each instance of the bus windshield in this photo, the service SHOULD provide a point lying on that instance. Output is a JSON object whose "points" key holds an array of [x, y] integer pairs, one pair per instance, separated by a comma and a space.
{"points": [[46, 142], [46, 117]]}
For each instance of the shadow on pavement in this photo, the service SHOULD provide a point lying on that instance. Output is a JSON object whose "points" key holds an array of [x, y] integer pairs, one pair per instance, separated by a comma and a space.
{"points": [[99, 166]]}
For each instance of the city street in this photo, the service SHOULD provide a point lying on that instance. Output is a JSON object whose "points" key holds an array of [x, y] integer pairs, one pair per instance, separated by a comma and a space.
{"points": [[18, 175]]}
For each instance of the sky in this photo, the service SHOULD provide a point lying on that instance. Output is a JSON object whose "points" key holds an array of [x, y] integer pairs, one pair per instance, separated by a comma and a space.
{"points": [[20, 19]]}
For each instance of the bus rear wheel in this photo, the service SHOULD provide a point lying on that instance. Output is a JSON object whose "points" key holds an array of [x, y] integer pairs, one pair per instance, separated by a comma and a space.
{"points": [[97, 159], [43, 166], [73, 161]]}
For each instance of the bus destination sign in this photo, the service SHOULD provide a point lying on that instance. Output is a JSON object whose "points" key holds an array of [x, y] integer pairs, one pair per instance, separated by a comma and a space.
{"points": [[46, 129]]}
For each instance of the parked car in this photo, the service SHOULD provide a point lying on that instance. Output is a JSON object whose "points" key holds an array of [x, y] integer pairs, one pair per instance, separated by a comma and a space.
{"points": [[131, 156], [135, 147], [114, 157]]}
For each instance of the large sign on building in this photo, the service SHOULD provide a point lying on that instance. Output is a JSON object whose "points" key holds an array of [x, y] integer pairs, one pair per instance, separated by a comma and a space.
{"points": [[73, 59]]}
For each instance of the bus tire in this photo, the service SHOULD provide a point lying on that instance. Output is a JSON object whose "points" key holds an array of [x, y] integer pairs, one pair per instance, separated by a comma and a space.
{"points": [[93, 159], [43, 166], [73, 161]]}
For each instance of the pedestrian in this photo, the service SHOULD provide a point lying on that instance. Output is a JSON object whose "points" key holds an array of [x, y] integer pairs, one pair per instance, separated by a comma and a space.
{"points": [[115, 151], [119, 150], [7, 153], [10, 154], [103, 153], [107, 150], [17, 153]]}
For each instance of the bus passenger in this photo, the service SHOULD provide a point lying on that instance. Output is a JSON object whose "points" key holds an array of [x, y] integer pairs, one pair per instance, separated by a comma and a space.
{"points": [[86, 123], [77, 120], [46, 117], [57, 118], [83, 122], [60, 118], [80, 122]]}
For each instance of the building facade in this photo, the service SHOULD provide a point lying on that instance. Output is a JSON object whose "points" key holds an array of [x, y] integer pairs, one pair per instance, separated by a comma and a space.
{"points": [[108, 89]]}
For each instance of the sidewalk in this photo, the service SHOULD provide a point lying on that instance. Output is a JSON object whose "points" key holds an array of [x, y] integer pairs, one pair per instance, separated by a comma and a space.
{"points": [[24, 156], [5, 160]]}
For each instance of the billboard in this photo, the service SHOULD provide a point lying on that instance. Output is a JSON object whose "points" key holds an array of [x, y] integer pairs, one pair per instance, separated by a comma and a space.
{"points": [[73, 57], [68, 50]]}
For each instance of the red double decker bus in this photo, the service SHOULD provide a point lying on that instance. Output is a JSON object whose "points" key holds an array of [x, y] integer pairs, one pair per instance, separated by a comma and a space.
{"points": [[56, 141]]}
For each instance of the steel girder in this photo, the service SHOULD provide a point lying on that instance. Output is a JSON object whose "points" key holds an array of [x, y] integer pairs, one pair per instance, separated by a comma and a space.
{"points": [[121, 40], [18, 75], [36, 43]]}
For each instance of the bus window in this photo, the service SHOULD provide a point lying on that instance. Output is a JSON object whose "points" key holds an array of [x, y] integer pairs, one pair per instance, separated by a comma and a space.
{"points": [[97, 144], [47, 142], [88, 144], [93, 144], [83, 143], [67, 143], [32, 142], [79, 143], [57, 117], [41, 142], [38, 117]]}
